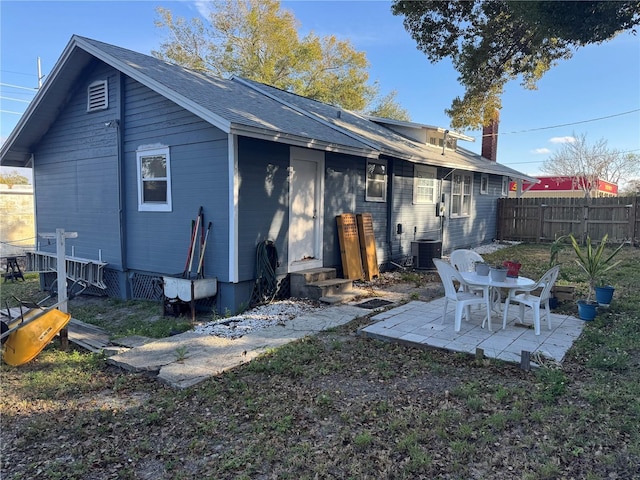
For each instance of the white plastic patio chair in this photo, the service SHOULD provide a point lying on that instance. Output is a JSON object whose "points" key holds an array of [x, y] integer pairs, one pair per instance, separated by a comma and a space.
{"points": [[465, 261], [464, 299], [525, 298]]}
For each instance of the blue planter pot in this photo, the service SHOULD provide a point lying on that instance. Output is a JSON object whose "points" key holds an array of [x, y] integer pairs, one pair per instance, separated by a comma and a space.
{"points": [[587, 310], [604, 295]]}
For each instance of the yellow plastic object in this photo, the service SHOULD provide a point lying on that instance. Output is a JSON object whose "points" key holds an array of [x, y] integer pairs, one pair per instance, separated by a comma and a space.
{"points": [[27, 341]]}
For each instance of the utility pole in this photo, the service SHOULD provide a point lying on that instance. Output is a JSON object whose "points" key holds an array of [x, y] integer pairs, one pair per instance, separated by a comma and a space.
{"points": [[39, 74]]}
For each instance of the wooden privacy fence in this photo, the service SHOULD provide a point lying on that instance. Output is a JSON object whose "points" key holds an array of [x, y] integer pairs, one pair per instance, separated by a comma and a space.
{"points": [[539, 220]]}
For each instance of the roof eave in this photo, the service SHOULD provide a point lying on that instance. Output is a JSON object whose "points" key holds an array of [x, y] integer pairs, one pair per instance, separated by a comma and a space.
{"points": [[300, 141]]}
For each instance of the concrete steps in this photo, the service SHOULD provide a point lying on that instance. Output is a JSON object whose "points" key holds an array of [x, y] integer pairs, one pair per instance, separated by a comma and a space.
{"points": [[322, 285]]}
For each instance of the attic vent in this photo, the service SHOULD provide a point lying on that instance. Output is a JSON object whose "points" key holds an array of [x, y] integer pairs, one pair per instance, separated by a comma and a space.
{"points": [[97, 96]]}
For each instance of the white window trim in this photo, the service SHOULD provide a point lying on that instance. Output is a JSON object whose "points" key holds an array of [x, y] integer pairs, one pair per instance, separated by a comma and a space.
{"points": [[484, 182], [431, 172], [505, 186], [462, 215], [384, 182], [153, 207]]}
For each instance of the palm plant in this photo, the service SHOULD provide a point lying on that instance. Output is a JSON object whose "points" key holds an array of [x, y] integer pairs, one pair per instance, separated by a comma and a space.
{"points": [[593, 262], [556, 247]]}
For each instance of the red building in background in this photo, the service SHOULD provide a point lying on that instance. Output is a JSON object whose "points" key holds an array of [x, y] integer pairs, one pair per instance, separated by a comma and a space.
{"points": [[558, 186]]}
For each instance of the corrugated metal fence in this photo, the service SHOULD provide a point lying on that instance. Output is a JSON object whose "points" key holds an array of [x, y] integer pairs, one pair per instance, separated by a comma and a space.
{"points": [[539, 220]]}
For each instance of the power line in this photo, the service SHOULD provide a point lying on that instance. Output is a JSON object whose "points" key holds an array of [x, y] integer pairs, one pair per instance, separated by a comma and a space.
{"points": [[542, 161], [19, 73], [566, 124], [33, 89], [15, 99]]}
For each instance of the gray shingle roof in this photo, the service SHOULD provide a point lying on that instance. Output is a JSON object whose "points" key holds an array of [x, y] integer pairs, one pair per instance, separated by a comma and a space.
{"points": [[387, 141], [230, 100], [235, 106]]}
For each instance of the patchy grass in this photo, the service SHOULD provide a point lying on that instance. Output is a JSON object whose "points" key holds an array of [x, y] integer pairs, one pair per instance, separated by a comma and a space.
{"points": [[120, 318], [340, 406], [126, 318]]}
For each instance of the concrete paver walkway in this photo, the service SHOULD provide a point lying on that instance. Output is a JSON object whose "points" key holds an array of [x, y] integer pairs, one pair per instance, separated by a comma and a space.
{"points": [[421, 323], [189, 358]]}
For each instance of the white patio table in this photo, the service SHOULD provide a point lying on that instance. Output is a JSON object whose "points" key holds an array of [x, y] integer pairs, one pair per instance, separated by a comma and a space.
{"points": [[491, 289]]}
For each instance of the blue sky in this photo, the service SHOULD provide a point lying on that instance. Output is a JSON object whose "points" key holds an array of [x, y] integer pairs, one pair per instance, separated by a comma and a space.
{"points": [[599, 82]]}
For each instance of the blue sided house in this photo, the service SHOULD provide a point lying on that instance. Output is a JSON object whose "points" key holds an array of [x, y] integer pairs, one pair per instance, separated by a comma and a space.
{"points": [[126, 148]]}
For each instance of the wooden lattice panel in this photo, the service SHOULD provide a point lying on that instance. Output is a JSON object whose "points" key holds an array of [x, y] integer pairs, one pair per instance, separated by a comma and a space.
{"points": [[368, 246], [349, 246]]}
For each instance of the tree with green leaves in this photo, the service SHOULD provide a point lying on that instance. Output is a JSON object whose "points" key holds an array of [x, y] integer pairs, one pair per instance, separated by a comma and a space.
{"points": [[587, 163], [491, 42], [258, 40], [387, 107]]}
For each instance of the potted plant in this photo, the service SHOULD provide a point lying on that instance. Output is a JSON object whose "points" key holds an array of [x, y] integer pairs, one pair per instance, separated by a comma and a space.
{"points": [[482, 268], [595, 264], [604, 294], [513, 268], [498, 273]]}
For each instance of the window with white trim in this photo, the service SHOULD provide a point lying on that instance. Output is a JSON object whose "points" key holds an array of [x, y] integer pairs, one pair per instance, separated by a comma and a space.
{"points": [[376, 188], [484, 184], [461, 188], [424, 184], [154, 180], [98, 96], [505, 186]]}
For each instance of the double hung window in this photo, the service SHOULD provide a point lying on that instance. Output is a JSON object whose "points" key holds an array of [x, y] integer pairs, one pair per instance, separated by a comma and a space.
{"points": [[484, 184], [424, 184], [154, 180], [461, 188], [376, 188]]}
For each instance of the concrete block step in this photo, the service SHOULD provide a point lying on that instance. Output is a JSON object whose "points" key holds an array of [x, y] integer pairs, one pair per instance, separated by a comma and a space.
{"points": [[300, 280], [326, 288], [316, 274]]}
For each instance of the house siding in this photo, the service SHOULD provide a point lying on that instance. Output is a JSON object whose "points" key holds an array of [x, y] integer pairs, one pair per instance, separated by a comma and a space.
{"points": [[481, 226], [419, 221], [158, 241], [378, 210], [342, 186], [345, 192], [76, 175]]}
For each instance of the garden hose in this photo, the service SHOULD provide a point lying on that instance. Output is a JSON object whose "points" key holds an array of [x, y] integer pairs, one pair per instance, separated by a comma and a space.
{"points": [[266, 286]]}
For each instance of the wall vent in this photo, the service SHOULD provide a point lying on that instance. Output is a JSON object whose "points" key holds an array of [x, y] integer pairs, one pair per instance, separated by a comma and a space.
{"points": [[97, 96]]}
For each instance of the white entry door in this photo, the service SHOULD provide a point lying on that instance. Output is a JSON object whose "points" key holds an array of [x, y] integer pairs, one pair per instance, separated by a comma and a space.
{"points": [[305, 209]]}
